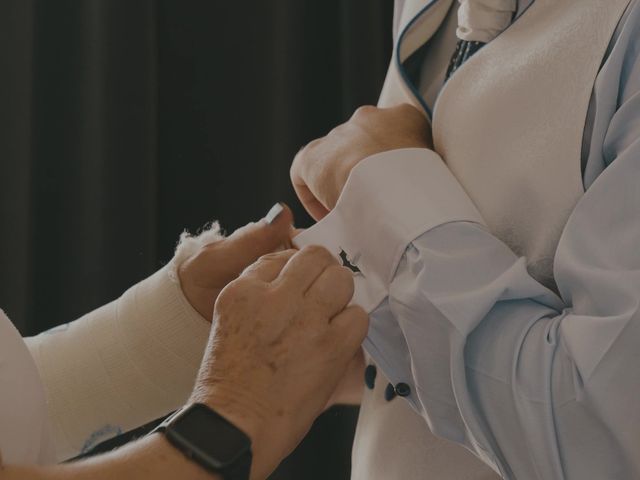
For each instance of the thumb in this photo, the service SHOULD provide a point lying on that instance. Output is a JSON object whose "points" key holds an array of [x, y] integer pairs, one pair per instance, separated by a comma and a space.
{"points": [[350, 328], [244, 246]]}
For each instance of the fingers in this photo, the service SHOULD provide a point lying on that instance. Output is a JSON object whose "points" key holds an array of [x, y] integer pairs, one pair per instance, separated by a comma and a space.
{"points": [[252, 241], [350, 328], [295, 232], [305, 267], [304, 172], [332, 290], [311, 204], [269, 266]]}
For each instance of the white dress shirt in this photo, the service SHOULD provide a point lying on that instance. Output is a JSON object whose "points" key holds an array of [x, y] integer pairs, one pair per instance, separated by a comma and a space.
{"points": [[538, 384]]}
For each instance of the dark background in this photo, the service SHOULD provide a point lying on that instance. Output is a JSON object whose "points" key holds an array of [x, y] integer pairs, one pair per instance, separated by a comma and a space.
{"points": [[124, 122]]}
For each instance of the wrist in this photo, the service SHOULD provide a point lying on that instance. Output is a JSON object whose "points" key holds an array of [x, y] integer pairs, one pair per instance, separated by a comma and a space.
{"points": [[269, 434], [245, 412], [172, 460]]}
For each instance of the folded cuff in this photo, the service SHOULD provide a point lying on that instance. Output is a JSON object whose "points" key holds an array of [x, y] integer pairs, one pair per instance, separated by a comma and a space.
{"points": [[389, 200]]}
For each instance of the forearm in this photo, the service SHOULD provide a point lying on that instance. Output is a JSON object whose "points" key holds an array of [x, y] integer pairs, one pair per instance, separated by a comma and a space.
{"points": [[150, 458], [120, 366]]}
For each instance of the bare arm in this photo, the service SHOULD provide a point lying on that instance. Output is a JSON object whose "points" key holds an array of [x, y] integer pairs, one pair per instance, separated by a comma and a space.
{"points": [[152, 457], [283, 323]]}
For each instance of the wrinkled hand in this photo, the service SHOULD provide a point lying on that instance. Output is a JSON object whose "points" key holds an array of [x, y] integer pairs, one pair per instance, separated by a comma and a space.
{"points": [[320, 170], [281, 339], [208, 271]]}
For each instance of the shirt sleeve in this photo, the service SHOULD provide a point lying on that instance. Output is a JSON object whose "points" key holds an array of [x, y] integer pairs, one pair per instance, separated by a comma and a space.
{"points": [[537, 384]]}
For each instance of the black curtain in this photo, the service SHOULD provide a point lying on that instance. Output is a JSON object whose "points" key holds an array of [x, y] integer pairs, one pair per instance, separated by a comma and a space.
{"points": [[124, 122]]}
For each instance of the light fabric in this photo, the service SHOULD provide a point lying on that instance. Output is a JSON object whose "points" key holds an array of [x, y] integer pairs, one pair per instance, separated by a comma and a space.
{"points": [[382, 252], [484, 20], [423, 27], [538, 384], [525, 197], [118, 367], [24, 429]]}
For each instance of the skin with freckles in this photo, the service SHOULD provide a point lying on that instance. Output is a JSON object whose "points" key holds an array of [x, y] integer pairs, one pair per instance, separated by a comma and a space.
{"points": [[288, 313], [206, 273], [281, 340]]}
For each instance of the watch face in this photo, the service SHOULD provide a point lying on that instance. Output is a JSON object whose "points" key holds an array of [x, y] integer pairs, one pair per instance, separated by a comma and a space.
{"points": [[210, 434]]}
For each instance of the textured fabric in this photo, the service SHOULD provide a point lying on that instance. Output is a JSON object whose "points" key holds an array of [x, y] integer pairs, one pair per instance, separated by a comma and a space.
{"points": [[377, 180], [108, 372], [539, 385], [517, 386], [121, 366], [525, 197], [484, 20]]}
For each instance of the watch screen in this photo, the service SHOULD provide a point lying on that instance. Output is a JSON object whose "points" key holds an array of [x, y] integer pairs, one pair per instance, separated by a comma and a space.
{"points": [[210, 434]]}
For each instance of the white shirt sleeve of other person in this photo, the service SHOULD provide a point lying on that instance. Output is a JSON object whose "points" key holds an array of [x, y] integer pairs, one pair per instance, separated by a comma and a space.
{"points": [[541, 380]]}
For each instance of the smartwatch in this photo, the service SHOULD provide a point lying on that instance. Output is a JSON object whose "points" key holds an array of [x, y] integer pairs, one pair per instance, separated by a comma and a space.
{"points": [[210, 440]]}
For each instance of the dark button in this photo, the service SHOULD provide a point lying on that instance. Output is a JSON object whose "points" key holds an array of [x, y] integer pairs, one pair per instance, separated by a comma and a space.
{"points": [[389, 393], [403, 390], [370, 376]]}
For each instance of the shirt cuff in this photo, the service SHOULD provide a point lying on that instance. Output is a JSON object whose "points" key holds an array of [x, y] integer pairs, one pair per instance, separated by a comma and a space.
{"points": [[389, 200]]}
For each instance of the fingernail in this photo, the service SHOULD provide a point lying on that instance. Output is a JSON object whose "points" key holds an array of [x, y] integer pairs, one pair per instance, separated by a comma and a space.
{"points": [[274, 213]]}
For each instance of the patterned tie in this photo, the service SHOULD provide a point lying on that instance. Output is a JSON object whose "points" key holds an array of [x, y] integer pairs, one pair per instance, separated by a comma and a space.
{"points": [[479, 22], [463, 52]]}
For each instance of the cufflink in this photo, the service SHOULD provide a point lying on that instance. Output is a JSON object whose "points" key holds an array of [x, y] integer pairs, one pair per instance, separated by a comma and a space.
{"points": [[389, 393], [400, 390], [370, 376], [344, 258]]}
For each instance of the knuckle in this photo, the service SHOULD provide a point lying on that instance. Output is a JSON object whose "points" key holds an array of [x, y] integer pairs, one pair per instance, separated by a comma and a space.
{"points": [[304, 152], [359, 320], [240, 292], [413, 114], [335, 130], [269, 257], [228, 295], [407, 107], [210, 252], [360, 314], [316, 251], [305, 160], [364, 111], [277, 256], [341, 277]]}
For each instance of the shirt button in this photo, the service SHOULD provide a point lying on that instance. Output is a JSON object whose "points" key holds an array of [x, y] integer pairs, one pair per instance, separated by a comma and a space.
{"points": [[389, 393], [370, 376], [403, 390]]}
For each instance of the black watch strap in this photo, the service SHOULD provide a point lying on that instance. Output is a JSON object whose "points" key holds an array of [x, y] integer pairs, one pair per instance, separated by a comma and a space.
{"points": [[210, 440]]}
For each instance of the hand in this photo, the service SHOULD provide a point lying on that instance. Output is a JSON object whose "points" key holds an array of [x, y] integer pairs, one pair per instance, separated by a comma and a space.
{"points": [[281, 340], [320, 170], [208, 271], [350, 389]]}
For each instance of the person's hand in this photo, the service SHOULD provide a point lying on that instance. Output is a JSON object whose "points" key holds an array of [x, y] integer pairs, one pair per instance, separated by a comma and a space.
{"points": [[209, 270], [282, 338], [350, 389], [320, 170]]}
